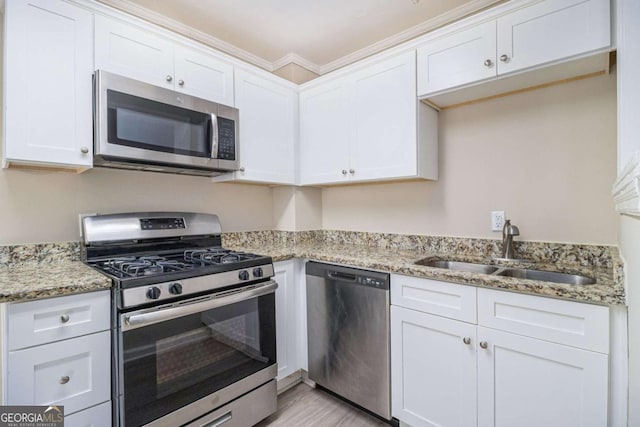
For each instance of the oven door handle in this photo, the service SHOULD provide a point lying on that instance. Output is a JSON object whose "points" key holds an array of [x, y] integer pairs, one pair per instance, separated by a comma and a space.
{"points": [[138, 320]]}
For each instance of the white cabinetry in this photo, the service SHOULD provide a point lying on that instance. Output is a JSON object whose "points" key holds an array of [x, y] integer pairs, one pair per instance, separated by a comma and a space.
{"points": [[144, 55], [541, 33], [48, 57], [539, 361], [366, 125], [268, 129], [286, 319], [59, 352]]}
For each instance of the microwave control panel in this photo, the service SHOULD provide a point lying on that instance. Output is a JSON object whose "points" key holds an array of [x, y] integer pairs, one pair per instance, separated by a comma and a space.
{"points": [[226, 139]]}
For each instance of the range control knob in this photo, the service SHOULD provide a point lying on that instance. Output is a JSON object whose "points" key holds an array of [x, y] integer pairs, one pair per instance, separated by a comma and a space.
{"points": [[153, 292], [175, 288], [243, 275], [257, 272]]}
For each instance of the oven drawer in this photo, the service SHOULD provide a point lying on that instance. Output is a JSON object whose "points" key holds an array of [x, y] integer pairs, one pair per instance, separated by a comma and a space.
{"points": [[48, 320], [244, 411], [75, 373]]}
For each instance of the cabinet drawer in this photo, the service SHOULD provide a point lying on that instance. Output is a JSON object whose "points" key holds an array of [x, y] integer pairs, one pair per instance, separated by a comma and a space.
{"points": [[434, 297], [97, 416], [75, 373], [571, 323], [43, 321]]}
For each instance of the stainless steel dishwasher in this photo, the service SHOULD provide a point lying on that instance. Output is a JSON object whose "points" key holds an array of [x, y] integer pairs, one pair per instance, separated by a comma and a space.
{"points": [[348, 334]]}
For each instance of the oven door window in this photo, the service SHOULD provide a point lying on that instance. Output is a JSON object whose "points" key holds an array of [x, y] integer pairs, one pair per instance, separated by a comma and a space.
{"points": [[150, 125], [171, 364]]}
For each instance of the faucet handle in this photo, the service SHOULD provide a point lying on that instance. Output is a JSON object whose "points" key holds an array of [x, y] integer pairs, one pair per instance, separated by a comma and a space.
{"points": [[507, 224], [509, 230]]}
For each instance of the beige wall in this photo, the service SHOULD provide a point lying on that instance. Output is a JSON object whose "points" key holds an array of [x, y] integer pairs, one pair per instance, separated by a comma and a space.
{"points": [[546, 157], [297, 208], [44, 206]]}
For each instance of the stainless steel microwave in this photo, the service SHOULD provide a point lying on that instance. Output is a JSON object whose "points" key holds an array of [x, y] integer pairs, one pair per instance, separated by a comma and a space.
{"points": [[144, 127]]}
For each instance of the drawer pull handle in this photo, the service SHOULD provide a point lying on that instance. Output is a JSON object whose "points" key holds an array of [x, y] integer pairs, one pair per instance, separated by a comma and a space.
{"points": [[484, 344], [466, 340], [65, 379], [64, 318]]}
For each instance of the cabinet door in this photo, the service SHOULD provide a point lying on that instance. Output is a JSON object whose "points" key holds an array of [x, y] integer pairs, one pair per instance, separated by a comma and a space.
{"points": [[267, 129], [433, 371], [75, 373], [463, 57], [286, 319], [528, 382], [383, 112], [96, 416], [324, 134], [47, 83], [132, 52], [552, 30], [204, 76]]}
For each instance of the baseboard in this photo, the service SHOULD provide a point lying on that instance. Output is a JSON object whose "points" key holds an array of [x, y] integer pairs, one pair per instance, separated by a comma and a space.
{"points": [[289, 381]]}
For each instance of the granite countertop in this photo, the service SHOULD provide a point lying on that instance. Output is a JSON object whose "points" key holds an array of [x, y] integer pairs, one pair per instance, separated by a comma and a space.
{"points": [[608, 290], [33, 280]]}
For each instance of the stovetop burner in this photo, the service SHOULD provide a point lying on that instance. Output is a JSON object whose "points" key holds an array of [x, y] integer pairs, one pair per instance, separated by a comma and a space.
{"points": [[151, 265]]}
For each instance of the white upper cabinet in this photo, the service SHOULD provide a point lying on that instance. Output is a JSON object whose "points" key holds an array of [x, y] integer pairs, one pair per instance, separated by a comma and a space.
{"points": [[48, 61], [324, 133], [463, 57], [143, 55], [268, 130], [367, 125], [543, 33], [551, 30]]}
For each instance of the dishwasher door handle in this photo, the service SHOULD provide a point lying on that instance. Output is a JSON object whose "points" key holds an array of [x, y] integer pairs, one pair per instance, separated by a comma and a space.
{"points": [[344, 277]]}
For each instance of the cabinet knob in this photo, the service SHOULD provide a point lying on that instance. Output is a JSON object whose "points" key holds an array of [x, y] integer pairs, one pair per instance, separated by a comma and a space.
{"points": [[169, 79], [181, 82], [65, 379], [64, 318], [344, 171], [352, 171], [488, 63], [242, 169], [84, 150], [504, 58], [466, 340], [483, 344]]}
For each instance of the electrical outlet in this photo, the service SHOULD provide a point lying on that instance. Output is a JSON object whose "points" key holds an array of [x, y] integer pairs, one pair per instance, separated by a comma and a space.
{"points": [[80, 216], [497, 220]]}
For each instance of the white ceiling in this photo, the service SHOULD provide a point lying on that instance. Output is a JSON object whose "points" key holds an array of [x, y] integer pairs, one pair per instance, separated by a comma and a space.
{"points": [[313, 33]]}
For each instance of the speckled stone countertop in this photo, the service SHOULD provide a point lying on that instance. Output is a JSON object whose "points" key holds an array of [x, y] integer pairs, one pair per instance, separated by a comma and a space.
{"points": [[46, 270], [608, 290]]}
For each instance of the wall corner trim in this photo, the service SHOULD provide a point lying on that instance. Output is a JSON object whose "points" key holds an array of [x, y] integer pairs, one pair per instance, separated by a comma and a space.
{"points": [[626, 189]]}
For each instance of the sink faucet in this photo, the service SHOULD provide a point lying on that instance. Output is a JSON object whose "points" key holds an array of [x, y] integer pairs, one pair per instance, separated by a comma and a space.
{"points": [[508, 232]]}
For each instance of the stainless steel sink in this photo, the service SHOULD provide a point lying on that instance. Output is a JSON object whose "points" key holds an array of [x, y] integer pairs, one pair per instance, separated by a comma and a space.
{"points": [[457, 265], [519, 273], [546, 276]]}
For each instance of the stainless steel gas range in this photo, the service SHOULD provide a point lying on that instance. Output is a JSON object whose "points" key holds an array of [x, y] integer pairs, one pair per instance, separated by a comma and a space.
{"points": [[194, 324]]}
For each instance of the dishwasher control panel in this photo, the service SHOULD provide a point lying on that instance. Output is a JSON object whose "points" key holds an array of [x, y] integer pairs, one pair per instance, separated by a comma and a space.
{"points": [[370, 281]]}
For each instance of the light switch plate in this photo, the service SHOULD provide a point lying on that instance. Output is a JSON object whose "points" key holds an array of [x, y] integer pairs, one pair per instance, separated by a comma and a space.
{"points": [[497, 220]]}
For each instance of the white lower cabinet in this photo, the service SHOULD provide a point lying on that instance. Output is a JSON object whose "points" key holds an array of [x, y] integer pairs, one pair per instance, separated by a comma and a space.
{"points": [[97, 416], [434, 372], [524, 382], [59, 353], [286, 324], [447, 372]]}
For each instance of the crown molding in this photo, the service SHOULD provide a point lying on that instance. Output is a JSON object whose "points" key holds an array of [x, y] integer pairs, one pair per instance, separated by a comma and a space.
{"points": [[230, 49], [180, 28], [626, 189], [294, 58], [410, 33]]}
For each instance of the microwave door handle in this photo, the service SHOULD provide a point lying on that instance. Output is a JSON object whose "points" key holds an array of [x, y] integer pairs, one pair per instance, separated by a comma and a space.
{"points": [[214, 136]]}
